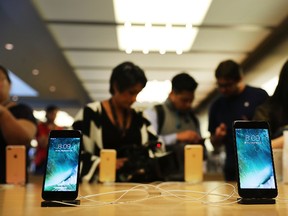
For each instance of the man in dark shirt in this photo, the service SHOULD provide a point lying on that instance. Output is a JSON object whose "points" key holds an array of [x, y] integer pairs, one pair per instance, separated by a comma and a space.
{"points": [[237, 102]]}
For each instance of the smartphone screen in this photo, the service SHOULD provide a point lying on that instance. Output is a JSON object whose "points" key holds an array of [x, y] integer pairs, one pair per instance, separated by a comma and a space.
{"points": [[256, 175], [62, 166]]}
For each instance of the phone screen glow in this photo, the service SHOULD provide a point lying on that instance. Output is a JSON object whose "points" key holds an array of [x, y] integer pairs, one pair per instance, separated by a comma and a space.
{"points": [[254, 158], [62, 164]]}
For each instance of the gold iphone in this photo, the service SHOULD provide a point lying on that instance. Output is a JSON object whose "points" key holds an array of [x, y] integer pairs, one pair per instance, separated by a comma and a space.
{"points": [[193, 163], [15, 164], [107, 167]]}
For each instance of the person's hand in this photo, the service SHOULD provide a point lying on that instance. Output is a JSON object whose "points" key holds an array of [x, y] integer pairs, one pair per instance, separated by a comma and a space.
{"points": [[221, 131], [120, 162], [188, 136], [278, 143], [6, 107], [1, 109]]}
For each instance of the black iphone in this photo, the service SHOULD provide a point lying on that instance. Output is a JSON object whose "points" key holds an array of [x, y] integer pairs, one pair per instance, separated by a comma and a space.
{"points": [[255, 166], [61, 175]]}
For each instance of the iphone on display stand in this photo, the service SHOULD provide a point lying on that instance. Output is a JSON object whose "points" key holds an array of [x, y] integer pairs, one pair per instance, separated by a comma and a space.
{"points": [[256, 179], [61, 177], [193, 163], [16, 164], [107, 167]]}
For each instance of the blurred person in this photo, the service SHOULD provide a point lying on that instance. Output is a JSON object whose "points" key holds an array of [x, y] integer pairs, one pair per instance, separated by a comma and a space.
{"points": [[175, 120], [43, 130], [113, 123], [17, 123], [237, 101], [275, 109]]}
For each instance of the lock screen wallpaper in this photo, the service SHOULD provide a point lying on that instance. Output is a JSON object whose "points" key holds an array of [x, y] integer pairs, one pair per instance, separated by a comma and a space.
{"points": [[254, 158], [62, 164]]}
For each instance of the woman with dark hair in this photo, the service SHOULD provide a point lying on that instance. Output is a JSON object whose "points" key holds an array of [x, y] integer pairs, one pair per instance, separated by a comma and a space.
{"points": [[275, 109], [113, 123]]}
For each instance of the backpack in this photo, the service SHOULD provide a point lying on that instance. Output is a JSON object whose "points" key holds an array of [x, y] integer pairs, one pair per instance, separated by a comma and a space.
{"points": [[161, 116], [160, 121]]}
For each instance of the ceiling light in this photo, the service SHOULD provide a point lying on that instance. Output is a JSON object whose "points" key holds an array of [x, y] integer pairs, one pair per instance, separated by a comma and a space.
{"points": [[35, 72], [145, 51], [162, 52], [128, 51], [161, 11], [270, 85], [157, 38], [34, 143], [168, 25], [189, 26], [127, 24], [9, 46], [148, 25], [52, 88], [63, 119], [155, 92], [160, 30]]}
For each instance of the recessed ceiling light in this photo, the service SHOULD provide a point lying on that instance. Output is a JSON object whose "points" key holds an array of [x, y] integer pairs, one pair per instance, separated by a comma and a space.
{"points": [[162, 51], [127, 24], [52, 88], [9, 46], [128, 51], [145, 51], [35, 72], [168, 25], [189, 25]]}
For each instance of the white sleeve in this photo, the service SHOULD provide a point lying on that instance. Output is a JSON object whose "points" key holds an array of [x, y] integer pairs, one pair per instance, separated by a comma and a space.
{"points": [[151, 115]]}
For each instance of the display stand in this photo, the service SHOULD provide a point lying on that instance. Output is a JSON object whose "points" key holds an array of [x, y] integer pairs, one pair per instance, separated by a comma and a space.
{"points": [[253, 201], [60, 203]]}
